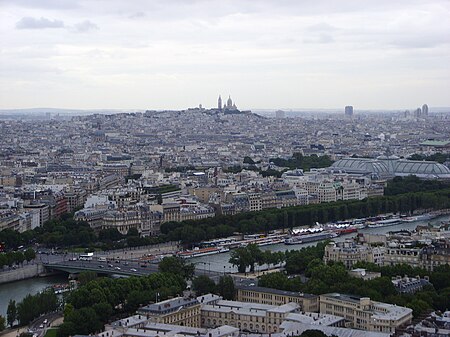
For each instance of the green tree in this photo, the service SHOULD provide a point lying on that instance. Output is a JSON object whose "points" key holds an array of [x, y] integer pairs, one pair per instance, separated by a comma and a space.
{"points": [[275, 280], [11, 313], [68, 308], [178, 266], [30, 254], [241, 258], [203, 285], [86, 276], [133, 232], [85, 320], [313, 333], [2, 323], [225, 287]]}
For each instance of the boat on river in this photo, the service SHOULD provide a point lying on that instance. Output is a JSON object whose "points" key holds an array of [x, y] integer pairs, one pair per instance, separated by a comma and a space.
{"points": [[304, 238], [197, 252]]}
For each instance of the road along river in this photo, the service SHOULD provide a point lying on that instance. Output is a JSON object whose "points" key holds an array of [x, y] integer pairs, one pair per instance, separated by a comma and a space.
{"points": [[219, 263]]}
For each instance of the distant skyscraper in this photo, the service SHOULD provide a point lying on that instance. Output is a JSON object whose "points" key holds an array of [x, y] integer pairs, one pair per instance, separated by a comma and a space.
{"points": [[219, 103], [425, 110], [279, 114], [349, 110]]}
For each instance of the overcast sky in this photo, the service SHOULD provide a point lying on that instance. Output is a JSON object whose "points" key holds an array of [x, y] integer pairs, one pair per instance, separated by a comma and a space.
{"points": [[153, 54]]}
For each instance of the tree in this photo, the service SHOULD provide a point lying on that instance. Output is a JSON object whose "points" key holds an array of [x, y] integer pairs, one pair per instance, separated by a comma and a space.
{"points": [[203, 285], [178, 266], [132, 232], [11, 313], [30, 254], [241, 258], [85, 320], [226, 288], [86, 276], [2, 323], [109, 234], [313, 333], [275, 280], [249, 256]]}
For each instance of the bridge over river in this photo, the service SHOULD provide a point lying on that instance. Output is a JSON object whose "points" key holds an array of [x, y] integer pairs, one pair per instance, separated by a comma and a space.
{"points": [[115, 268]]}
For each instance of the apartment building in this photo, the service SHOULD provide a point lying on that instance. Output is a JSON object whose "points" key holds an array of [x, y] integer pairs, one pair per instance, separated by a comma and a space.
{"points": [[326, 192], [176, 311], [255, 202], [260, 318], [262, 295], [349, 253], [436, 255], [396, 253], [363, 313]]}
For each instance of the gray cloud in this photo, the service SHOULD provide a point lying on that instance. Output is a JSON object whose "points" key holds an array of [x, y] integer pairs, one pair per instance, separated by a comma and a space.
{"points": [[286, 47], [321, 27], [137, 15], [320, 38], [85, 26], [41, 23]]}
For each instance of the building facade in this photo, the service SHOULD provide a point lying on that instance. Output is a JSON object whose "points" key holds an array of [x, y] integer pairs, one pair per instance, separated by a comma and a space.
{"points": [[363, 313]]}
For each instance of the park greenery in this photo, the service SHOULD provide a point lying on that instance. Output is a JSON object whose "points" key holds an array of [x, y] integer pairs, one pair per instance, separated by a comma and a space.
{"points": [[252, 255], [93, 304], [2, 323], [306, 163], [323, 278], [31, 307], [66, 232], [405, 195], [297, 161], [204, 285], [177, 266], [193, 231], [16, 257], [438, 157], [412, 184]]}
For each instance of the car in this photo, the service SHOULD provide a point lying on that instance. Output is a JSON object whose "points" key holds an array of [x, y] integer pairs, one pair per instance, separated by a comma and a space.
{"points": [[132, 269], [143, 266], [110, 265], [126, 263], [101, 266], [117, 268], [117, 261], [45, 321], [41, 326]]}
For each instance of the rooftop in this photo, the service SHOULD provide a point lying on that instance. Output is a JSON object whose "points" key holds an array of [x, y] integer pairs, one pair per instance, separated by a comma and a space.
{"points": [[276, 291]]}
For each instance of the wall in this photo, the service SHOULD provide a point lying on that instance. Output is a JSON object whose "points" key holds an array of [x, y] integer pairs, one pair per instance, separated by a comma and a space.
{"points": [[25, 272]]}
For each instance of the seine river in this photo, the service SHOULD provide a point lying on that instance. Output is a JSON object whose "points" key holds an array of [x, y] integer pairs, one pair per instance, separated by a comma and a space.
{"points": [[219, 262]]}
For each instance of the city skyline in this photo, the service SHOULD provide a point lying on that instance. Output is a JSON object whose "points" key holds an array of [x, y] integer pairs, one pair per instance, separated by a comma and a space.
{"points": [[160, 55]]}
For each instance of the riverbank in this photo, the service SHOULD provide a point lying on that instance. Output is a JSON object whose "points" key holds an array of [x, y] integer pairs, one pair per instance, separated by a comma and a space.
{"points": [[54, 320], [23, 273]]}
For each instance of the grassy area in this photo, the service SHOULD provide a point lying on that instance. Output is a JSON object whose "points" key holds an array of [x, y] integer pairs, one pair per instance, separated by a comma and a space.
{"points": [[51, 333]]}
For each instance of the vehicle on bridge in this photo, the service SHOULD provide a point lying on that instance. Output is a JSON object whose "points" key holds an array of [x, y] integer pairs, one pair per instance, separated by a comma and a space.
{"points": [[86, 257]]}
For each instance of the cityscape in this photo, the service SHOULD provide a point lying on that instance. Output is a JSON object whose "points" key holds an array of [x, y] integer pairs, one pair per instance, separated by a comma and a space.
{"points": [[307, 195]]}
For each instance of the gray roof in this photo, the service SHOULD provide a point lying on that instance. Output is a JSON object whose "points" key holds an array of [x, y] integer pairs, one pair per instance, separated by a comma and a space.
{"points": [[393, 166], [276, 291]]}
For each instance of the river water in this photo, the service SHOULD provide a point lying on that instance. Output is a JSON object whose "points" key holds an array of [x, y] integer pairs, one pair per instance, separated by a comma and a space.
{"points": [[18, 290], [219, 262]]}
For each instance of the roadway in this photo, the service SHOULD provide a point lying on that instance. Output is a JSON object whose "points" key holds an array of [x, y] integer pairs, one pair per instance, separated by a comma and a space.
{"points": [[119, 267], [116, 267]]}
